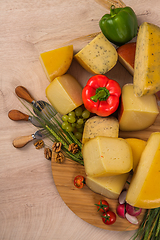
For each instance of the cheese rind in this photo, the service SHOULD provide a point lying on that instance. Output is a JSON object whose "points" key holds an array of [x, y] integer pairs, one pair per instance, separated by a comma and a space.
{"points": [[106, 156], [147, 60], [144, 189], [109, 187], [137, 146], [56, 62], [136, 113], [99, 56], [64, 93], [126, 56], [98, 127]]}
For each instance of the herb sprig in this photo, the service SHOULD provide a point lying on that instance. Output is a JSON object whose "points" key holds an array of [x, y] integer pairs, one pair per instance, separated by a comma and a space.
{"points": [[150, 226]]}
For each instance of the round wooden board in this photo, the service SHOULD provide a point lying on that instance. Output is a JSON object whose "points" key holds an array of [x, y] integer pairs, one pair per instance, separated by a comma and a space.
{"points": [[82, 201]]}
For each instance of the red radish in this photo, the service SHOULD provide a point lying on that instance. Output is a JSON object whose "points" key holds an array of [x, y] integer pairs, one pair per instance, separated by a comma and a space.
{"points": [[132, 219], [122, 197], [121, 210], [133, 211]]}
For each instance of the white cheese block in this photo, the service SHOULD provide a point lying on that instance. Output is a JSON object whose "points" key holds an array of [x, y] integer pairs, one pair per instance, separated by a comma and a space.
{"points": [[98, 56], [136, 113], [109, 187], [99, 126], [106, 156], [64, 93]]}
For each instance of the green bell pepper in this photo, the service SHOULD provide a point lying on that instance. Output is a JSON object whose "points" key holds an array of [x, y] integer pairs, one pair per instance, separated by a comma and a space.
{"points": [[120, 26]]}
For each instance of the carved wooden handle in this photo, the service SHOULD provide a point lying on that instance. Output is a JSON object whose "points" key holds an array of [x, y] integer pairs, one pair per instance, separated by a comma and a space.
{"points": [[22, 141], [23, 93], [17, 115]]}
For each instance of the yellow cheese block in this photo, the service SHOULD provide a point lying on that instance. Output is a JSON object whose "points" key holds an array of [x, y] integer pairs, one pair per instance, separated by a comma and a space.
{"points": [[147, 60], [136, 113], [56, 62], [106, 156], [64, 93], [144, 189], [137, 146], [98, 126], [109, 187], [98, 56]]}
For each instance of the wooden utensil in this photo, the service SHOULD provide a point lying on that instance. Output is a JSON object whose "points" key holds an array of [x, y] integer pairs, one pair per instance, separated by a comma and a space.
{"points": [[17, 115], [20, 142]]}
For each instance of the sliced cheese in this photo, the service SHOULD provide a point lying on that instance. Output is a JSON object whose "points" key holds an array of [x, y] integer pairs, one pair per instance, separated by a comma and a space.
{"points": [[106, 156], [98, 56], [64, 93], [137, 146], [136, 113], [98, 126], [144, 189], [147, 60], [109, 187], [56, 62]]}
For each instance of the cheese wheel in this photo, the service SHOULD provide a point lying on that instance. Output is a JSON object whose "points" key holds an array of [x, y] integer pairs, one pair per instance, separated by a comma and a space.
{"points": [[106, 156], [144, 189]]}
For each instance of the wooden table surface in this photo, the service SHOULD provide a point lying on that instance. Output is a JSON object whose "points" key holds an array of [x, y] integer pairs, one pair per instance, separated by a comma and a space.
{"points": [[30, 205]]}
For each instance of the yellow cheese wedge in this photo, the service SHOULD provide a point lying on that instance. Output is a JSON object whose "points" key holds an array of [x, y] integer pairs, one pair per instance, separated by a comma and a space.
{"points": [[98, 126], [136, 113], [137, 146], [109, 187], [144, 189], [106, 156], [147, 60], [99, 56], [64, 93], [56, 62]]}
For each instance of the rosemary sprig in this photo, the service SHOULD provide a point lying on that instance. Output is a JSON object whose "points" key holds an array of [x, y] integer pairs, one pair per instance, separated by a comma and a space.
{"points": [[51, 121], [150, 226]]}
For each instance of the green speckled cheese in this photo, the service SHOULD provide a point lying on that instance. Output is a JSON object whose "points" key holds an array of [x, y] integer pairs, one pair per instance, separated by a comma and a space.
{"points": [[100, 127], [98, 56], [147, 60]]}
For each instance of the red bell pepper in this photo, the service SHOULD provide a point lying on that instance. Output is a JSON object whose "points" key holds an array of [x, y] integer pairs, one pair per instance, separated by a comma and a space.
{"points": [[101, 95]]}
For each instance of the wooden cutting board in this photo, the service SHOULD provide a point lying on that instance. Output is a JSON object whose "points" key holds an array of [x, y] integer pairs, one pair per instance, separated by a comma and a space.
{"points": [[82, 201]]}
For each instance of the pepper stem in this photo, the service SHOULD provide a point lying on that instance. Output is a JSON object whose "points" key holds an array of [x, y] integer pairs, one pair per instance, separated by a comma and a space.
{"points": [[102, 94], [112, 12]]}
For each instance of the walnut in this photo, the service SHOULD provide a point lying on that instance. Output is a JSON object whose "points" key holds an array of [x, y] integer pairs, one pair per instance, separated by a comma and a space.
{"points": [[73, 148], [48, 153], [57, 147], [39, 144], [58, 157]]}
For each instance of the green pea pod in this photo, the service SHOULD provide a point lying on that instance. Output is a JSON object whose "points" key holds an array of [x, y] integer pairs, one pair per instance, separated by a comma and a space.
{"points": [[120, 26]]}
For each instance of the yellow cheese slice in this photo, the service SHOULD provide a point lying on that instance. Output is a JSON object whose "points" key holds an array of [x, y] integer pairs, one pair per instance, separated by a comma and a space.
{"points": [[109, 187], [106, 156], [147, 60], [144, 189], [136, 113], [137, 146], [98, 126], [98, 56], [64, 93], [56, 62]]}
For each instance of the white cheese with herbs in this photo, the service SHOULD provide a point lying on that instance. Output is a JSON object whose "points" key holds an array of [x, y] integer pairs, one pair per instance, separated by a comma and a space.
{"points": [[98, 56], [147, 60]]}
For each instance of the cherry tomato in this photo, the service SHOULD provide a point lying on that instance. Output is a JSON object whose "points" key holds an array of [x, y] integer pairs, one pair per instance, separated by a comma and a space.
{"points": [[109, 217], [102, 206], [79, 181]]}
